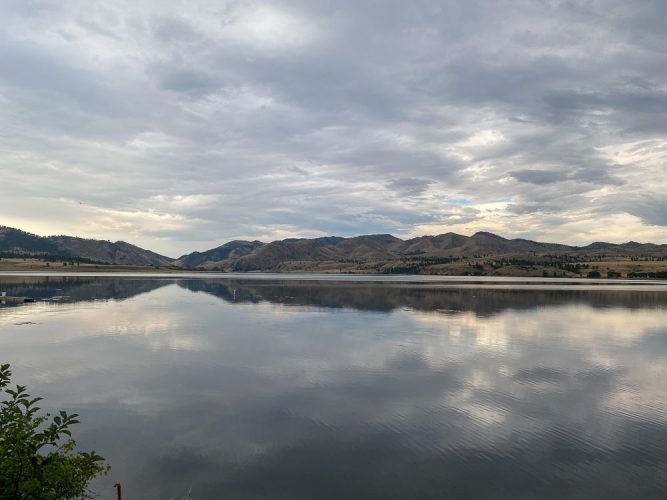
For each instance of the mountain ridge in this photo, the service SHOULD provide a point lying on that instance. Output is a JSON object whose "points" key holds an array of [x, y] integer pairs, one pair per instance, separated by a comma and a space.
{"points": [[294, 254], [368, 253]]}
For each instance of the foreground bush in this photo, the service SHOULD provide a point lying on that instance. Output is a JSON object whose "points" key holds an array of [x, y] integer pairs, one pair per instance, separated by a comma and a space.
{"points": [[38, 459]]}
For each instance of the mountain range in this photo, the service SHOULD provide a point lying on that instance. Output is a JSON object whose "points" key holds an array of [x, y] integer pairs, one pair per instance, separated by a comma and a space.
{"points": [[371, 253]]}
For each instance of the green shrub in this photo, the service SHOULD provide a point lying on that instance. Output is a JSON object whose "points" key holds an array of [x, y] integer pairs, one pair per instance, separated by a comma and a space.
{"points": [[38, 459]]}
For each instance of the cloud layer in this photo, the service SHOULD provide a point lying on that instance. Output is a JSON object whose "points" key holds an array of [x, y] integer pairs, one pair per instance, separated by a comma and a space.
{"points": [[179, 126]]}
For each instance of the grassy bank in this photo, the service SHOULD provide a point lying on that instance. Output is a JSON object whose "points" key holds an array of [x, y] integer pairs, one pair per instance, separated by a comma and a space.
{"points": [[37, 265], [610, 268]]}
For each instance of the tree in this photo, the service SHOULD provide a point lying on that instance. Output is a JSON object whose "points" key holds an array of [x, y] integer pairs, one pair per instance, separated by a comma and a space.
{"points": [[37, 453]]}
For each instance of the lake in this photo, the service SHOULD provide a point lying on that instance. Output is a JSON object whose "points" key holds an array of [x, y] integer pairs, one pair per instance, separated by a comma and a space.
{"points": [[258, 387]]}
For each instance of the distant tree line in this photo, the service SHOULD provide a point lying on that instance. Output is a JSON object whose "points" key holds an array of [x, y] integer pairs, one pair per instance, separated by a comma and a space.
{"points": [[49, 257], [657, 274]]}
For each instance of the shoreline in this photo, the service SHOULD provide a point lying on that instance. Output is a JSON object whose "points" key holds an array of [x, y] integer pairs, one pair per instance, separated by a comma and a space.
{"points": [[478, 267], [348, 278]]}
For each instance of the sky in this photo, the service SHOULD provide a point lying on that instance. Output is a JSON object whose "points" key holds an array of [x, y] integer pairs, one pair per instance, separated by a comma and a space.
{"points": [[180, 125]]}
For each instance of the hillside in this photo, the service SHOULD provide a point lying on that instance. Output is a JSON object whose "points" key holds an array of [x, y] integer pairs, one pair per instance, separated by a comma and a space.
{"points": [[450, 253], [14, 242], [232, 250]]}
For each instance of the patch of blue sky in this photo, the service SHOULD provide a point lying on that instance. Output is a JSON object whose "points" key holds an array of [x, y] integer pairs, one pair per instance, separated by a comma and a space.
{"points": [[459, 201]]}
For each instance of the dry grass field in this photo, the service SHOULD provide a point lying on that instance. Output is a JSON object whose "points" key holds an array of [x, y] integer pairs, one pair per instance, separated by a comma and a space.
{"points": [[37, 265], [608, 268]]}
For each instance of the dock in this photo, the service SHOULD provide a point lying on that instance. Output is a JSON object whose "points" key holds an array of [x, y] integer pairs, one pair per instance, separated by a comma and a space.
{"points": [[7, 298]]}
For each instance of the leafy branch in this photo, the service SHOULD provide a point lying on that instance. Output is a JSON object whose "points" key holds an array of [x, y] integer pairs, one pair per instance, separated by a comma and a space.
{"points": [[38, 457]]}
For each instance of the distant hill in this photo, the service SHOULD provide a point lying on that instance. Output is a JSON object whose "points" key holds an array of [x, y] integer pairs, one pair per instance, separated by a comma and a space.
{"points": [[20, 243], [384, 253], [449, 253], [231, 250]]}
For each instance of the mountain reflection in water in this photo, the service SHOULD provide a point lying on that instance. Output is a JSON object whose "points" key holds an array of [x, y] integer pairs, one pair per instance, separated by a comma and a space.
{"points": [[271, 389]]}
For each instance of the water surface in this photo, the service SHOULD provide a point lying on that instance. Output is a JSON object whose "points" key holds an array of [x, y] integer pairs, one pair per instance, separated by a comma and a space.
{"points": [[274, 388]]}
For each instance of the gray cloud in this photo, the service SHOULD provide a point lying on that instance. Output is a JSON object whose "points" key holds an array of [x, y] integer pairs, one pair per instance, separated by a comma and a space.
{"points": [[408, 187], [289, 118], [652, 208], [593, 174], [187, 81], [539, 176], [173, 30]]}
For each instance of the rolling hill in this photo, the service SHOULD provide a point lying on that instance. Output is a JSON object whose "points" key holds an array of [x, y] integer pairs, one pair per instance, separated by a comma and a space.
{"points": [[384, 253], [20, 243], [449, 253]]}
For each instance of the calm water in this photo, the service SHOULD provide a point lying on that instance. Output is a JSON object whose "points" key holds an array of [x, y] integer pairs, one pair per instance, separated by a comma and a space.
{"points": [[254, 389]]}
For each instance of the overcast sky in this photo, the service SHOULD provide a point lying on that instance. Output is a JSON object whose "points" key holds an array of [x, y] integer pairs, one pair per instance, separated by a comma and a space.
{"points": [[181, 125]]}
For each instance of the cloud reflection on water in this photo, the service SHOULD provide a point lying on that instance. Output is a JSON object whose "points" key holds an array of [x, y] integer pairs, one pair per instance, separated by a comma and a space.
{"points": [[421, 394]]}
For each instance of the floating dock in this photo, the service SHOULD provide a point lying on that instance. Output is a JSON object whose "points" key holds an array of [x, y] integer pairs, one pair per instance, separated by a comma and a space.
{"points": [[6, 298]]}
